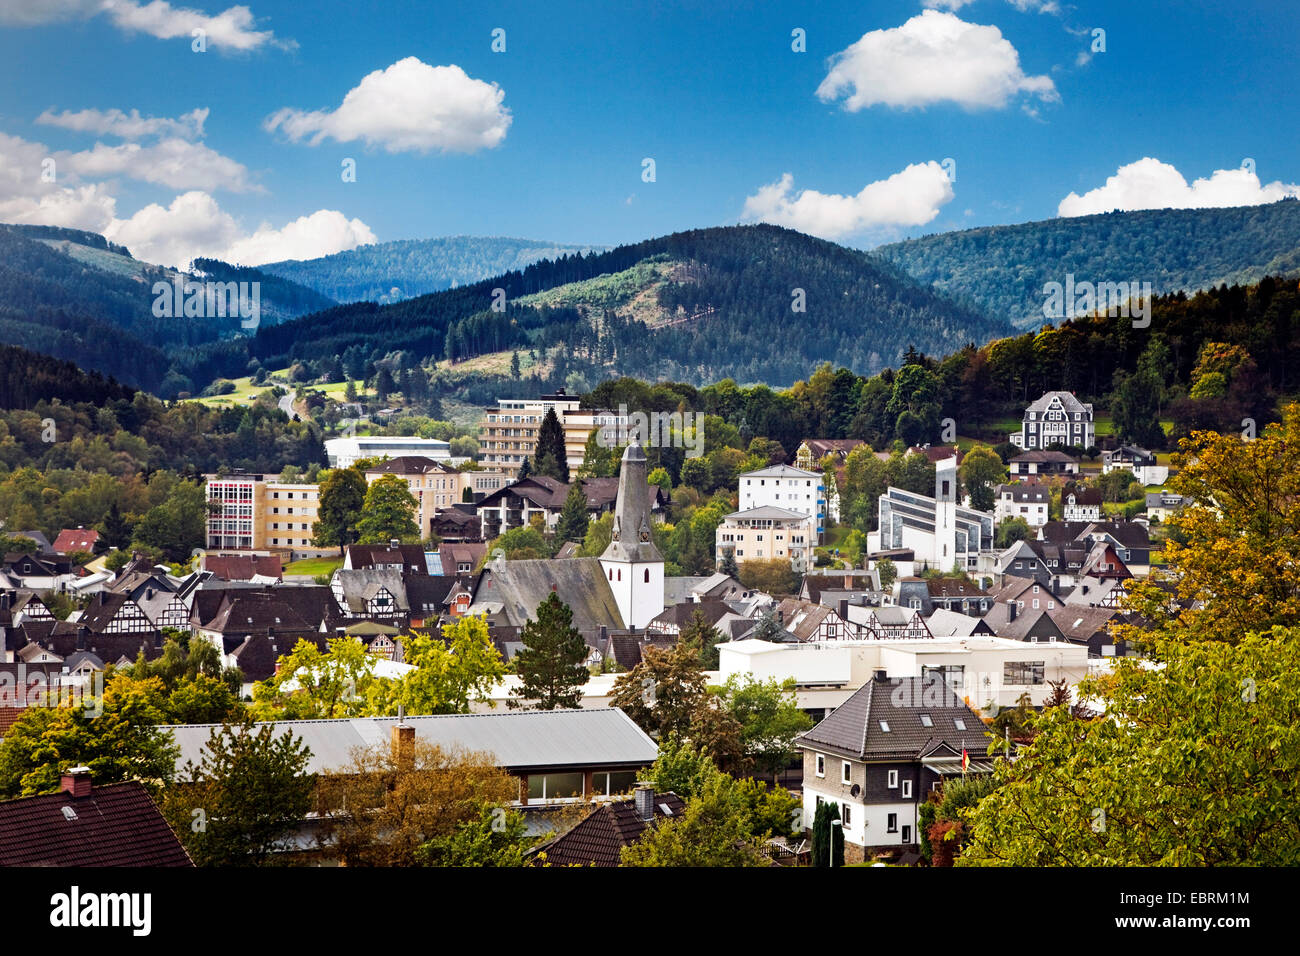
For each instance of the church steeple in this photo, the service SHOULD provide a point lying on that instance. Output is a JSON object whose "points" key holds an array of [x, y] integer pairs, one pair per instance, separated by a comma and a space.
{"points": [[631, 540]]}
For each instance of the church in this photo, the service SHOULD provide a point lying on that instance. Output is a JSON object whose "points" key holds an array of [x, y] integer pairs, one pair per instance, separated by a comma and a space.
{"points": [[621, 591]]}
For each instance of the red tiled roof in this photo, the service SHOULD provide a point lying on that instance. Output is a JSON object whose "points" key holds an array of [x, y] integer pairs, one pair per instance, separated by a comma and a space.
{"points": [[114, 825], [76, 539]]}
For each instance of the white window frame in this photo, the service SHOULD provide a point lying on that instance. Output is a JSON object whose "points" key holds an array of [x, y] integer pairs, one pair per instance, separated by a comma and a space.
{"points": [[821, 765], [892, 779], [907, 789], [846, 772]]}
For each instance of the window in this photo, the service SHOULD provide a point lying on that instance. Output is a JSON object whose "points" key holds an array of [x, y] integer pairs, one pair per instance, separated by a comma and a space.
{"points": [[846, 774], [907, 788], [891, 823], [892, 779], [907, 834], [884, 726], [846, 816], [926, 721], [959, 723], [821, 765], [1023, 672]]}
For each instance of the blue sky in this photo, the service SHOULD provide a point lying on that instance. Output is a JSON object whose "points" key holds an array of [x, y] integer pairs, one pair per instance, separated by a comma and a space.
{"points": [[714, 93]]}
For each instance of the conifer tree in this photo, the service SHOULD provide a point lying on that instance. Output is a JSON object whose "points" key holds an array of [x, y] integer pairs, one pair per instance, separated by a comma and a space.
{"points": [[551, 665]]}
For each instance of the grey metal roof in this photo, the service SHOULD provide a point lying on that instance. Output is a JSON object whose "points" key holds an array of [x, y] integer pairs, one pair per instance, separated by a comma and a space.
{"points": [[518, 740], [770, 511]]}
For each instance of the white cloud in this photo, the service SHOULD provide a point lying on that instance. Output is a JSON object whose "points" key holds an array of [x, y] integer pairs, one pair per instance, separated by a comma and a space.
{"points": [[932, 58], [323, 233], [175, 163], [232, 29], [127, 125], [408, 106], [911, 197], [192, 224], [1151, 184], [1024, 6]]}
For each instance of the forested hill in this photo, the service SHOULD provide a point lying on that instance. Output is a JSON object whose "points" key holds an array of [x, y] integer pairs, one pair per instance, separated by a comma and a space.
{"points": [[75, 296], [27, 377], [1002, 269], [754, 303], [392, 271]]}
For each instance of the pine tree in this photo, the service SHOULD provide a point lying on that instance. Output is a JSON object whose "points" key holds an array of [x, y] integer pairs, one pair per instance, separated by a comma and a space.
{"points": [[551, 665], [550, 457], [117, 530], [728, 565], [572, 525]]}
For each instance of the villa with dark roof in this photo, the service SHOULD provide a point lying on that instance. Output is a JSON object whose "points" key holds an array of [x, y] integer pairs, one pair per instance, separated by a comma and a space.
{"points": [[881, 752]]}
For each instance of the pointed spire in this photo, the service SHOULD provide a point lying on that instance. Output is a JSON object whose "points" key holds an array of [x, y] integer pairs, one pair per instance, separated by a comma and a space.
{"points": [[632, 539]]}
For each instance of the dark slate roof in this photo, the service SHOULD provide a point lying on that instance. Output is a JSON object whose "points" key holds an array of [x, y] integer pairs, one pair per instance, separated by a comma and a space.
{"points": [[1041, 455], [454, 553], [242, 567], [114, 825], [409, 556], [104, 607], [255, 655], [854, 728], [680, 615], [429, 590], [954, 588], [410, 465], [599, 839], [628, 649], [520, 586], [1079, 623], [815, 584]]}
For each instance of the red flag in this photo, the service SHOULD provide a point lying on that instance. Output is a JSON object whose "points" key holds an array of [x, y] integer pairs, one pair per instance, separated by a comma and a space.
{"points": [[965, 759]]}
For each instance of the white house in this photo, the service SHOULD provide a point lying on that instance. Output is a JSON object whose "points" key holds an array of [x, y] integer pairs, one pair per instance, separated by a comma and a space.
{"points": [[1023, 499], [1137, 460]]}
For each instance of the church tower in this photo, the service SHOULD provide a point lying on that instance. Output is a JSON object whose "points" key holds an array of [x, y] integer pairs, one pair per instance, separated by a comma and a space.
{"points": [[633, 566]]}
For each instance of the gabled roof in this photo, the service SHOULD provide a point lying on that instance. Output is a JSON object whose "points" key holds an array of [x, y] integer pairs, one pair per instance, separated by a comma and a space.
{"points": [[409, 556], [360, 585], [114, 825], [76, 539], [599, 839], [857, 727], [1067, 401], [520, 586], [1024, 491], [680, 615], [1080, 623], [1042, 456], [409, 465], [946, 623], [243, 567]]}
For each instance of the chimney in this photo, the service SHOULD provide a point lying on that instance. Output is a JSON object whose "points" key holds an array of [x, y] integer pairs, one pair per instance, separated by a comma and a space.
{"points": [[645, 801], [403, 745], [880, 675], [1011, 613], [844, 608], [394, 543], [780, 617], [76, 781], [4, 601]]}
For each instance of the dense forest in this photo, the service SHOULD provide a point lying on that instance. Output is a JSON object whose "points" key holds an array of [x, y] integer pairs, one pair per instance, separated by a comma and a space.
{"points": [[1002, 269], [75, 296], [756, 303], [27, 377], [280, 298], [1208, 361], [392, 271]]}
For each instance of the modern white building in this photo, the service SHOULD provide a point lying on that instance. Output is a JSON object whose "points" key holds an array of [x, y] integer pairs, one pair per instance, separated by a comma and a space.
{"points": [[787, 488], [1056, 417], [346, 452], [941, 532]]}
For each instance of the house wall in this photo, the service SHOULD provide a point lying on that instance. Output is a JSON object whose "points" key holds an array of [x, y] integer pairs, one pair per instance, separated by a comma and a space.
{"points": [[869, 811]]}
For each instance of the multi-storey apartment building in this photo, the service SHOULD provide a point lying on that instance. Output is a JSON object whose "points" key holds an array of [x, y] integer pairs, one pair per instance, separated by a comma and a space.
{"points": [[436, 486], [346, 452], [508, 433], [766, 532], [784, 487], [254, 512]]}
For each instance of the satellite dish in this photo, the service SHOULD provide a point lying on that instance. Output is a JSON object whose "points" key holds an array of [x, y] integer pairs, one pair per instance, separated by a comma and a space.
{"points": [[855, 790]]}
